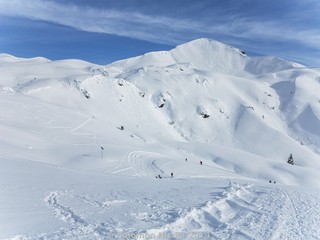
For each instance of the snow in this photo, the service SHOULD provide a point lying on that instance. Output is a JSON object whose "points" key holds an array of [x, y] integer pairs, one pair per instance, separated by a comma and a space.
{"points": [[68, 170]]}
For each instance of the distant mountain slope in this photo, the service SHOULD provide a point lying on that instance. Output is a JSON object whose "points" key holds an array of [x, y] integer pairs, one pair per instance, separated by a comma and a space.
{"points": [[237, 109]]}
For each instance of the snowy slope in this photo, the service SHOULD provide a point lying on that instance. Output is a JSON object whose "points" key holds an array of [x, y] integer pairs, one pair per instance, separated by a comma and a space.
{"points": [[65, 153]]}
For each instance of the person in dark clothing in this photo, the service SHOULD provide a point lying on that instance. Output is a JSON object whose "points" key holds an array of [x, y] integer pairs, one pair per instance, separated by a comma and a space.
{"points": [[290, 159], [200, 162], [172, 175]]}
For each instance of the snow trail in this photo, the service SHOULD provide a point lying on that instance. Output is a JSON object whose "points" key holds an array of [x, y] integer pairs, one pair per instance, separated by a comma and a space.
{"points": [[247, 212]]}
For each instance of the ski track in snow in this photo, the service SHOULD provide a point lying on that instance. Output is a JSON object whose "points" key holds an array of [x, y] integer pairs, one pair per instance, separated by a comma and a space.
{"points": [[240, 211], [79, 227], [142, 163], [217, 219], [236, 212]]}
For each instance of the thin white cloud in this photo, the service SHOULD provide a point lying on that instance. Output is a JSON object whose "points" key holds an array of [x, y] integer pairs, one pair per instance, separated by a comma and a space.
{"points": [[160, 29], [121, 23], [275, 31]]}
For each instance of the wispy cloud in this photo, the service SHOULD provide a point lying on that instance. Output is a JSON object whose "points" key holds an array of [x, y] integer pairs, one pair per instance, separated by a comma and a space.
{"points": [[122, 23], [159, 29], [164, 28], [253, 29]]}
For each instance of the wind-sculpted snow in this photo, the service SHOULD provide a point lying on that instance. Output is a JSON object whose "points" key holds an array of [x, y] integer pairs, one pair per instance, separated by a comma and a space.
{"points": [[245, 212], [232, 211], [190, 143]]}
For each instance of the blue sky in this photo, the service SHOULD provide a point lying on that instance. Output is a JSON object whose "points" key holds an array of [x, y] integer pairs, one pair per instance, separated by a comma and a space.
{"points": [[103, 31]]}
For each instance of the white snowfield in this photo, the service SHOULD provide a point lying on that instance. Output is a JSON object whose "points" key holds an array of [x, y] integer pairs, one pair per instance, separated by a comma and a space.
{"points": [[82, 146]]}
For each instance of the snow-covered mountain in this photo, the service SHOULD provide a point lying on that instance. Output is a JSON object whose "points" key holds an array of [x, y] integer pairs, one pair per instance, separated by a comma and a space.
{"points": [[155, 114]]}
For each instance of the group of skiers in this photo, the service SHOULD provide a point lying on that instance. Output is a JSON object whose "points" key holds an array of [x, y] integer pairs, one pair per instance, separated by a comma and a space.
{"points": [[160, 177], [290, 161]]}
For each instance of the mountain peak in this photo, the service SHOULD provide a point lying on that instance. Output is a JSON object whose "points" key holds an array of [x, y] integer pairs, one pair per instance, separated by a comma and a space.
{"points": [[203, 53], [211, 55], [202, 42]]}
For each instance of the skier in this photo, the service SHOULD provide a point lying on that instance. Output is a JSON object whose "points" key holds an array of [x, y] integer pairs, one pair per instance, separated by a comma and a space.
{"points": [[290, 159], [200, 162], [172, 175]]}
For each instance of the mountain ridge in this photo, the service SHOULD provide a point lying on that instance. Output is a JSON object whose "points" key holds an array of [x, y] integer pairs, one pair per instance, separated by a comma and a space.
{"points": [[201, 92], [209, 54]]}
